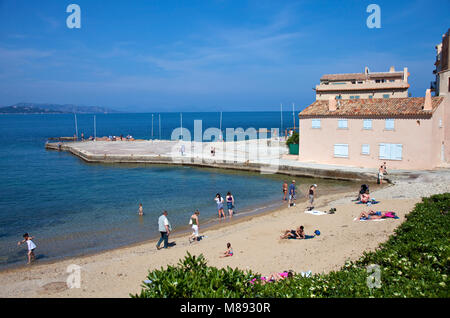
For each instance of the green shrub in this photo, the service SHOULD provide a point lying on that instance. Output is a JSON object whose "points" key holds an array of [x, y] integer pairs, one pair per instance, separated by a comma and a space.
{"points": [[293, 139], [414, 262]]}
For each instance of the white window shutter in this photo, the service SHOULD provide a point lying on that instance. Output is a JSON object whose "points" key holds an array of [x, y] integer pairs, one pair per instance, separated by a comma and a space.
{"points": [[382, 151], [397, 153], [341, 150], [365, 149]]}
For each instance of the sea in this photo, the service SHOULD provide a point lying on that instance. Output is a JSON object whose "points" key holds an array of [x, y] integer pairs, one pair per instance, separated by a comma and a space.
{"points": [[74, 208]]}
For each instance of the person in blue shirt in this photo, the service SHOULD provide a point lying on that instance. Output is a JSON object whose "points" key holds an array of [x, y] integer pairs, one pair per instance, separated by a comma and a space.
{"points": [[292, 196]]}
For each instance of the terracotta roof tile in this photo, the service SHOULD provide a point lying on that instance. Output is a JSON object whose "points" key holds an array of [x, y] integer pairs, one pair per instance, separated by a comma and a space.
{"points": [[373, 108]]}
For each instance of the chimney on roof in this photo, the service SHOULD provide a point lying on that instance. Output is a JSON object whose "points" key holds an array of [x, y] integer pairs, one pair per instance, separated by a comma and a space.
{"points": [[405, 75], [391, 69], [366, 70], [428, 104], [332, 104]]}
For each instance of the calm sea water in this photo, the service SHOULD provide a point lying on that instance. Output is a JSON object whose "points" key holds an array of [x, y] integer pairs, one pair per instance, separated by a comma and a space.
{"points": [[73, 208]]}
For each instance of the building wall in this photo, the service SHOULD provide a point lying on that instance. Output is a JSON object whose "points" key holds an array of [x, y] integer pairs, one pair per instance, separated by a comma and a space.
{"points": [[362, 94], [421, 142], [446, 129], [443, 87]]}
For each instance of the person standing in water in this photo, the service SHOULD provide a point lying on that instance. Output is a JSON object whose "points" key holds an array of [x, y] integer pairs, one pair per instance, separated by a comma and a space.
{"points": [[285, 190], [195, 224], [292, 196], [230, 203], [219, 201], [31, 247], [141, 210]]}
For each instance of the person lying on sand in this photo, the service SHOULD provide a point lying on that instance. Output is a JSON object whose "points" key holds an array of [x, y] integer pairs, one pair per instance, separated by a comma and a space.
{"points": [[372, 215], [298, 233], [273, 277]]}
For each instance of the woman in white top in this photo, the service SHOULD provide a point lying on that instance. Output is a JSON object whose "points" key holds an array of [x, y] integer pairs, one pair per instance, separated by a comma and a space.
{"points": [[219, 201]]}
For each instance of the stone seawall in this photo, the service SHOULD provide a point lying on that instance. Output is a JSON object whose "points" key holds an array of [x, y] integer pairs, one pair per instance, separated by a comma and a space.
{"points": [[283, 167]]}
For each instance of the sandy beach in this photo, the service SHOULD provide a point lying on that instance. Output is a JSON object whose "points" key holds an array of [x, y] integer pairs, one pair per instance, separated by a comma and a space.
{"points": [[255, 241]]}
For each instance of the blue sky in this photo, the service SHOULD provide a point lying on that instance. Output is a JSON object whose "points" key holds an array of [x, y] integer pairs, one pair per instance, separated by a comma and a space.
{"points": [[206, 55]]}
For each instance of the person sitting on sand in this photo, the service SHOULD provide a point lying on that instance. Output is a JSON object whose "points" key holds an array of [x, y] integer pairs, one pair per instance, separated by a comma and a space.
{"points": [[299, 233], [228, 252], [365, 197], [364, 188]]}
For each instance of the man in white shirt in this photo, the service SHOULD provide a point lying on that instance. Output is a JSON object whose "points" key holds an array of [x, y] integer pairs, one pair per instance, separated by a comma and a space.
{"points": [[164, 228]]}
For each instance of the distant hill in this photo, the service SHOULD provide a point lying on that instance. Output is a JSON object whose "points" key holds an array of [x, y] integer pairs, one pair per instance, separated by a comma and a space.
{"points": [[32, 108]]}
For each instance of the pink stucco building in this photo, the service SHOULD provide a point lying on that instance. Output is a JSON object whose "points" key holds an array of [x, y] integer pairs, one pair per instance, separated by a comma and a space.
{"points": [[406, 133]]}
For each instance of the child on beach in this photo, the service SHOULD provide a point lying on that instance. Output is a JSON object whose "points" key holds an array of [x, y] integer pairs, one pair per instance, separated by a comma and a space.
{"points": [[285, 189], [229, 251], [141, 210], [31, 247]]}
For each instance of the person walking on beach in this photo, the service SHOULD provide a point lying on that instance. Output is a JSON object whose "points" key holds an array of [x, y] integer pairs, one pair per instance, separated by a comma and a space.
{"points": [[285, 190], [141, 210], [219, 201], [165, 229], [31, 247], [230, 203], [292, 196], [195, 224], [311, 196]]}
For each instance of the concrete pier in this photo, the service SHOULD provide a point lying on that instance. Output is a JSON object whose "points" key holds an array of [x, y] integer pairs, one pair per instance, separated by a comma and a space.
{"points": [[266, 156]]}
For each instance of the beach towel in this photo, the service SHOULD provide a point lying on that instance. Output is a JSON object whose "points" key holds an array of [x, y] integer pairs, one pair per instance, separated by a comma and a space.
{"points": [[306, 237], [391, 215], [306, 274], [373, 201], [374, 220], [315, 212]]}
